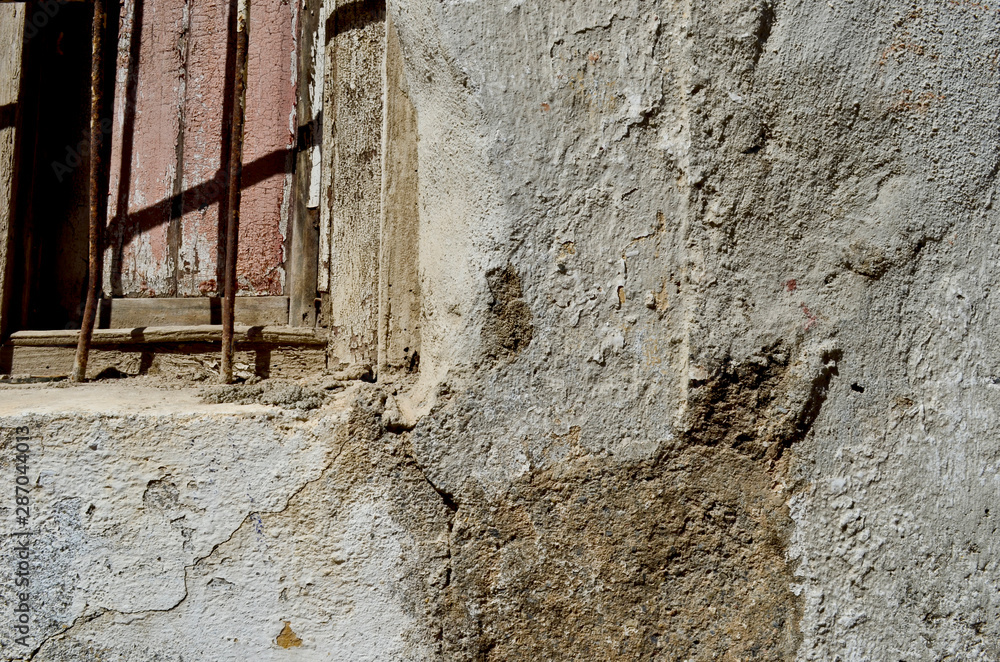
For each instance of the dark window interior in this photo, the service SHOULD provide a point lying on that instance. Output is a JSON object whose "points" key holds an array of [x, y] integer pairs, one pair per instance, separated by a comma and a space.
{"points": [[53, 172]]}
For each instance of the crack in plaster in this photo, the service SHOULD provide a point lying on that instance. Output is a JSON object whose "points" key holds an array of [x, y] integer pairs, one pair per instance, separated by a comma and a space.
{"points": [[87, 618]]}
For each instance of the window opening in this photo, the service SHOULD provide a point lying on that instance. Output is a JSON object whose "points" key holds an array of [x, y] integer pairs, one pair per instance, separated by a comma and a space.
{"points": [[328, 241]]}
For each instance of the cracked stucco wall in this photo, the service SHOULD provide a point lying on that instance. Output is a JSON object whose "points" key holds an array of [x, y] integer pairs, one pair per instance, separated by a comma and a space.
{"points": [[229, 519], [708, 369]]}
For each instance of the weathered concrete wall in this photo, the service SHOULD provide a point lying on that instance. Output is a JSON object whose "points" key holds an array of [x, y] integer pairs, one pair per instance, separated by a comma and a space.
{"points": [[399, 250], [708, 368], [748, 236], [156, 516], [727, 222]]}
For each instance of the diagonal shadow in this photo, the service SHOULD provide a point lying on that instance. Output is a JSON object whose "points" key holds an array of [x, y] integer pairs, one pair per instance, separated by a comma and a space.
{"points": [[126, 228], [354, 16]]}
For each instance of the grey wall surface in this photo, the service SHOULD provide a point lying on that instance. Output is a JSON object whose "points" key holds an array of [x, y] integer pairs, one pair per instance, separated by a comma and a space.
{"points": [[709, 365], [759, 233]]}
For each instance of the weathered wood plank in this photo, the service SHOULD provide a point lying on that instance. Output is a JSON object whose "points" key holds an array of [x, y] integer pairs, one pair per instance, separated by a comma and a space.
{"points": [[399, 280], [328, 160], [191, 311], [11, 28], [269, 147], [167, 177], [203, 147], [284, 363], [304, 245], [170, 335], [290, 362], [141, 256], [58, 362], [356, 49]]}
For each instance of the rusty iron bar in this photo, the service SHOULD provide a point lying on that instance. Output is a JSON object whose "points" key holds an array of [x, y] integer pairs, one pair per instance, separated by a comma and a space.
{"points": [[98, 176], [235, 182]]}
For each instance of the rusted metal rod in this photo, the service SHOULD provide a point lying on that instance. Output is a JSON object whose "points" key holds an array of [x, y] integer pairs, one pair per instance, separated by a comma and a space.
{"points": [[235, 177], [98, 178]]}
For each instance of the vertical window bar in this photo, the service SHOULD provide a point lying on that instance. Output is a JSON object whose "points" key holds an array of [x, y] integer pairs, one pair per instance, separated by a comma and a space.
{"points": [[235, 176], [97, 184]]}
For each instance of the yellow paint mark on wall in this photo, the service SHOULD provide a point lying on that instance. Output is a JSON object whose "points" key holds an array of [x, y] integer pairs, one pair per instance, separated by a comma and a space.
{"points": [[287, 638]]}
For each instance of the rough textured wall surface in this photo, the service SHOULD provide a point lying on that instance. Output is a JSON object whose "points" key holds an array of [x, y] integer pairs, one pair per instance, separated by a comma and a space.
{"points": [[263, 526], [350, 208], [747, 236], [708, 369]]}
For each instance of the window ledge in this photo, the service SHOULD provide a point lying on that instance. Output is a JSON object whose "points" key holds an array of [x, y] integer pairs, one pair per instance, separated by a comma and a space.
{"points": [[168, 335]]}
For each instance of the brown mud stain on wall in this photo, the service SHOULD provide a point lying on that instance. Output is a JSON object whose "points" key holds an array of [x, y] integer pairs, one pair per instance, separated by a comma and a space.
{"points": [[764, 404], [509, 328], [681, 556], [676, 558]]}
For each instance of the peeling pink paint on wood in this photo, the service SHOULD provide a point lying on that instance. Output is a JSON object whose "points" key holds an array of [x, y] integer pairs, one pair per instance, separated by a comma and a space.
{"points": [[204, 172], [268, 146], [179, 119], [149, 179]]}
